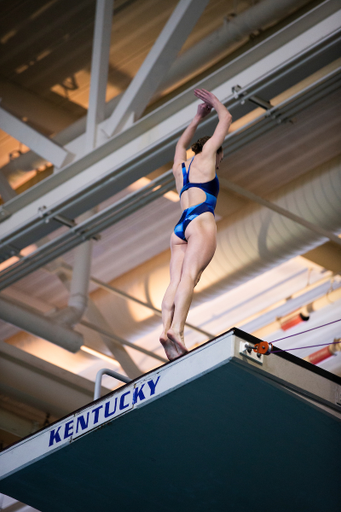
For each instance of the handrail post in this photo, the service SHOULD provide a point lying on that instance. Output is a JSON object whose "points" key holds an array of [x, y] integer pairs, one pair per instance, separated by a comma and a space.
{"points": [[99, 376]]}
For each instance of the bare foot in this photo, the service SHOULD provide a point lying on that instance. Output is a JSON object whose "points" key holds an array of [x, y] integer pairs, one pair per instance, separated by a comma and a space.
{"points": [[177, 342], [169, 347]]}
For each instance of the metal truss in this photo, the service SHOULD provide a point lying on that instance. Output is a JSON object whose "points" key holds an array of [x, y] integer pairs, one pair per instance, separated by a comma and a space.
{"points": [[87, 229], [270, 84], [150, 142], [156, 188]]}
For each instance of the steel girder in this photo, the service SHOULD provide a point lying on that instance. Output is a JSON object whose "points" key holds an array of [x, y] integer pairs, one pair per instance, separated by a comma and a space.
{"points": [[268, 85]]}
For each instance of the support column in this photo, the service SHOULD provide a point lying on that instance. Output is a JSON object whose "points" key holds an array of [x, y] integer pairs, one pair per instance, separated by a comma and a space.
{"points": [[6, 191], [99, 70]]}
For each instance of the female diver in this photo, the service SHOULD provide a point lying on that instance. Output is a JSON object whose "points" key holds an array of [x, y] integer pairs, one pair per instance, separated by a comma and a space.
{"points": [[193, 242]]}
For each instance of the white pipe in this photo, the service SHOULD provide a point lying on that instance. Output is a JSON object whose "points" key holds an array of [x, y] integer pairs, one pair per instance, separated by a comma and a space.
{"points": [[78, 299], [38, 325], [326, 300], [80, 277]]}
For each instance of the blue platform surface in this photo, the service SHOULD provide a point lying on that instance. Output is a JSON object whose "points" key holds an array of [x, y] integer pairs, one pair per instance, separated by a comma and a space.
{"points": [[215, 430]]}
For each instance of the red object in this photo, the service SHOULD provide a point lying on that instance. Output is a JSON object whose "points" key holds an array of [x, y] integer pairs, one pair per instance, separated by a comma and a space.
{"points": [[319, 356], [292, 321]]}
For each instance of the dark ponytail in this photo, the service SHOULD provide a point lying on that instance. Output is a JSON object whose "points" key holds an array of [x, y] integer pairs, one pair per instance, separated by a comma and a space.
{"points": [[199, 144]]}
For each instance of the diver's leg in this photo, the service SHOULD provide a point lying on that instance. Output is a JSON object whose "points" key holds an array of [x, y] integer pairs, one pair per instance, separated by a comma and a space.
{"points": [[178, 250], [201, 237]]}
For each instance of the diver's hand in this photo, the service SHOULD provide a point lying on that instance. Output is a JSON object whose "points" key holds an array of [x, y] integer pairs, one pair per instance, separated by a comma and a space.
{"points": [[207, 97], [203, 110]]}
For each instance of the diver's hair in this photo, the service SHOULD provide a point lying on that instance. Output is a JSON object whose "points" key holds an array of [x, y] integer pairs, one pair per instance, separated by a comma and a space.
{"points": [[199, 144]]}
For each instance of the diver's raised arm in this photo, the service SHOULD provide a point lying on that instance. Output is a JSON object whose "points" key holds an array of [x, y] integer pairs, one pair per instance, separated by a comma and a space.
{"points": [[224, 116], [185, 139]]}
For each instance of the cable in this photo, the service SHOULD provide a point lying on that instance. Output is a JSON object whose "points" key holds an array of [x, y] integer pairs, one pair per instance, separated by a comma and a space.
{"points": [[308, 346], [308, 330]]}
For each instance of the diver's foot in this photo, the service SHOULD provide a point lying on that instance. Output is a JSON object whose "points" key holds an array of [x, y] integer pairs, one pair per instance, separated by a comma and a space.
{"points": [[177, 342], [169, 347]]}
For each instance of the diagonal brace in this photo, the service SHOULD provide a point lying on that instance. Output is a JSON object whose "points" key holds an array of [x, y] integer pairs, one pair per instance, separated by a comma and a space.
{"points": [[37, 142], [154, 68]]}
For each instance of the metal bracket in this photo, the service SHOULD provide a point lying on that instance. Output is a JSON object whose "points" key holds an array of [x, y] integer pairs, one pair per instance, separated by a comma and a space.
{"points": [[338, 395], [271, 110], [65, 221], [246, 350], [8, 252], [4, 214], [239, 93]]}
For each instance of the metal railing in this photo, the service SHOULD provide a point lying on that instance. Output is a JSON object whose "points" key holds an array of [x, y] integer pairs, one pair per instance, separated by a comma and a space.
{"points": [[106, 371]]}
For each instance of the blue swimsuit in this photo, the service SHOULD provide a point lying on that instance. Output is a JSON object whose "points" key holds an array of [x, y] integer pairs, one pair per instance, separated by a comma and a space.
{"points": [[211, 189]]}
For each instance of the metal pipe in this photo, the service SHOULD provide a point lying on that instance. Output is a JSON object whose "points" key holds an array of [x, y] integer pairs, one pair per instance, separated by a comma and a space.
{"points": [[326, 300], [324, 353], [282, 302], [80, 279], [39, 325], [78, 298], [99, 376], [122, 294]]}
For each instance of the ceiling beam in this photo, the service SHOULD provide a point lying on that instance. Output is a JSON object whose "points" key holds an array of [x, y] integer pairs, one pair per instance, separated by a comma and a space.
{"points": [[99, 70], [155, 66], [21, 102], [327, 255], [201, 54], [127, 205], [40, 144], [257, 64], [15, 424], [40, 384], [6, 191], [150, 142]]}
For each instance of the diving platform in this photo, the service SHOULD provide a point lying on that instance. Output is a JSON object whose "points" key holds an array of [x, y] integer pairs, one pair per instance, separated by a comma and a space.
{"points": [[221, 428]]}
